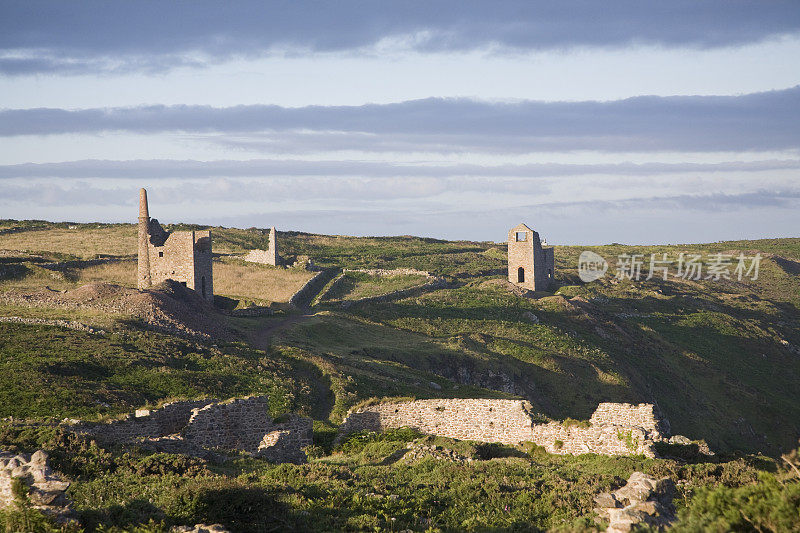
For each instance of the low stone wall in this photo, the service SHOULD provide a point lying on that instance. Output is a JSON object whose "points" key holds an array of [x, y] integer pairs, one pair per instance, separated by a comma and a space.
{"points": [[191, 427], [390, 273], [68, 324], [510, 422], [435, 283], [307, 291]]}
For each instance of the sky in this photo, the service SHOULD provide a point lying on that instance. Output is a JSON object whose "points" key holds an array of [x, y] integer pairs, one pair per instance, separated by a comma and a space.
{"points": [[592, 122]]}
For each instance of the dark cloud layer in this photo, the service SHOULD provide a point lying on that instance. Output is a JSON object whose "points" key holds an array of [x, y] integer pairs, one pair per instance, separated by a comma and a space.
{"points": [[759, 121], [74, 36]]}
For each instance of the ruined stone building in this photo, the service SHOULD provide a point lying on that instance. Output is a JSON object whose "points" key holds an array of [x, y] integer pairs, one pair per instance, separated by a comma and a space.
{"points": [[270, 255], [183, 256], [529, 264]]}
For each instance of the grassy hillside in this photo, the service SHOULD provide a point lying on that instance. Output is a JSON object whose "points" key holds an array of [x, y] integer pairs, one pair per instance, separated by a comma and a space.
{"points": [[720, 358]]}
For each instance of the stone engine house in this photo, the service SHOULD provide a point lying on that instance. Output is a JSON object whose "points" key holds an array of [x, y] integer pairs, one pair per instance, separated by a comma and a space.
{"points": [[183, 256], [529, 264]]}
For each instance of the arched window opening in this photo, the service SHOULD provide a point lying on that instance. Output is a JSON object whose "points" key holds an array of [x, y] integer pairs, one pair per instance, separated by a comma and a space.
{"points": [[520, 275]]}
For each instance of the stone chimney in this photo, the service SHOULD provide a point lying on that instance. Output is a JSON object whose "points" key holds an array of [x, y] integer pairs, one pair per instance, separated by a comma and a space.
{"points": [[272, 249], [143, 277]]}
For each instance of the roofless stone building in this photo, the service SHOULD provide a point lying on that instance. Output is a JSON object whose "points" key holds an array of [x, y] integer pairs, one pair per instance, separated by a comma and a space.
{"points": [[183, 256], [529, 264]]}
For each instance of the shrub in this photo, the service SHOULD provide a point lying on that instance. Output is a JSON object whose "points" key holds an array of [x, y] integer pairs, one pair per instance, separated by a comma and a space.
{"points": [[160, 464], [355, 442]]}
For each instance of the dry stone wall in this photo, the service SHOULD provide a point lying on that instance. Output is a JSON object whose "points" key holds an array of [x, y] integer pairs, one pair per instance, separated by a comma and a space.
{"points": [[196, 426], [510, 422]]}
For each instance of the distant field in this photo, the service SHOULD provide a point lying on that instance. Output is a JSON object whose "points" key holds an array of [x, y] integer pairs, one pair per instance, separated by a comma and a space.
{"points": [[84, 242], [237, 279]]}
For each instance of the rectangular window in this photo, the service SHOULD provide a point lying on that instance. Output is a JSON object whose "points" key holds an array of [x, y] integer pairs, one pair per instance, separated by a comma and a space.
{"points": [[522, 236], [160, 254]]}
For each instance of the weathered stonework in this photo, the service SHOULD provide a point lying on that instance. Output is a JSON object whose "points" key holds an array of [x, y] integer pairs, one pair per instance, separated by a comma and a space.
{"points": [[511, 422], [194, 426], [269, 256], [183, 256], [46, 490], [529, 265]]}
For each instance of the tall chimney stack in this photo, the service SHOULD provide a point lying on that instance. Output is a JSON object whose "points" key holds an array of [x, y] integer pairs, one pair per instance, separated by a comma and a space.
{"points": [[143, 276]]}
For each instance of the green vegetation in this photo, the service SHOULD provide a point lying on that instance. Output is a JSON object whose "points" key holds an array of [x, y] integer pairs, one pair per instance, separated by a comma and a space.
{"points": [[370, 486], [356, 285], [721, 359]]}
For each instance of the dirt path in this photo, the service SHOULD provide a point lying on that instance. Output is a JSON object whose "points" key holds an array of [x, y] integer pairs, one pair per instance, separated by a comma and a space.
{"points": [[261, 338]]}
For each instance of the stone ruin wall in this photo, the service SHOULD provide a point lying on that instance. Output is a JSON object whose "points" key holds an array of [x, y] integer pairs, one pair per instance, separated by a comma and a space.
{"points": [[188, 427], [167, 420], [269, 256], [510, 422], [644, 415]]}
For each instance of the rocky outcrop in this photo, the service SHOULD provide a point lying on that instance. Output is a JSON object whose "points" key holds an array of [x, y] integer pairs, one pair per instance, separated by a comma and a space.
{"points": [[44, 489], [644, 500]]}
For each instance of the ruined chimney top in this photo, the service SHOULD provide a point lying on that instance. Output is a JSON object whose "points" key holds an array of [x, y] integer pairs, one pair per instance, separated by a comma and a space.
{"points": [[143, 210]]}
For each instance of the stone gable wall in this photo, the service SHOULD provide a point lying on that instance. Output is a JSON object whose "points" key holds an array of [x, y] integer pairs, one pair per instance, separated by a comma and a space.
{"points": [[510, 422]]}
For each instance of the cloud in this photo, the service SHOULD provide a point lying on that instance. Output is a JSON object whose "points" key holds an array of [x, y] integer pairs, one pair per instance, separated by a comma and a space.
{"points": [[758, 121], [151, 34], [257, 168]]}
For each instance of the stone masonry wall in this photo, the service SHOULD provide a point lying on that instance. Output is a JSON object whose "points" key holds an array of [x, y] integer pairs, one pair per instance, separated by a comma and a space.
{"points": [[167, 420], [190, 427], [504, 421], [236, 425], [644, 415], [510, 422]]}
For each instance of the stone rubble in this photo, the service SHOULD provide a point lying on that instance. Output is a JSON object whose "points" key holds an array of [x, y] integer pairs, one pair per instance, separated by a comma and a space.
{"points": [[200, 528], [643, 500]]}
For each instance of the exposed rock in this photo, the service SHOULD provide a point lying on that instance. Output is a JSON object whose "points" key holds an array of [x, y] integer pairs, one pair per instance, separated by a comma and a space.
{"points": [[530, 317], [418, 450], [643, 500], [45, 489]]}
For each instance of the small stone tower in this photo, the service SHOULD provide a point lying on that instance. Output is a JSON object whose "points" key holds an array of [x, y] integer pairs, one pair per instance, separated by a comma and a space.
{"points": [[529, 265], [183, 256]]}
